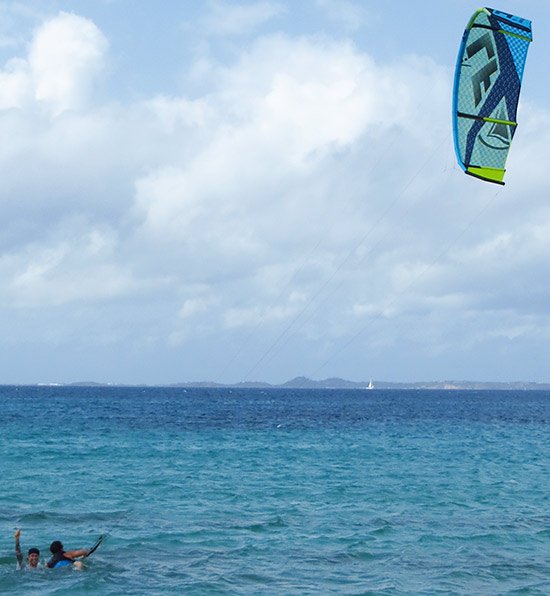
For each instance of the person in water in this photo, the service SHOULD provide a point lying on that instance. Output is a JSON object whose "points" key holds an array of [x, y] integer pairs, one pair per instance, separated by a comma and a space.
{"points": [[33, 554], [63, 558]]}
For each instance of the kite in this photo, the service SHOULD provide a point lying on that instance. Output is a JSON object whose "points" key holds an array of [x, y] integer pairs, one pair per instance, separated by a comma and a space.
{"points": [[487, 83]]}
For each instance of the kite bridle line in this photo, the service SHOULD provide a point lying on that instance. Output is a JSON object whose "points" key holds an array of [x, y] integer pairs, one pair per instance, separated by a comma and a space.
{"points": [[348, 257], [306, 258], [411, 285]]}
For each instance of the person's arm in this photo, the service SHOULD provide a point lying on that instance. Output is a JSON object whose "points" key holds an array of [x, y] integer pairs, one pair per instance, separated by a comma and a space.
{"points": [[74, 554], [18, 554]]}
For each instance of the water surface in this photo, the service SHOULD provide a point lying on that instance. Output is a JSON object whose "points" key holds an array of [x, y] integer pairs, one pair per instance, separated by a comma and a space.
{"points": [[228, 491]]}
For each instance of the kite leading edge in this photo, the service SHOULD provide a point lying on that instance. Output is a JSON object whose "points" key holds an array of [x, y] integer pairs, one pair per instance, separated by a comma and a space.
{"points": [[486, 91]]}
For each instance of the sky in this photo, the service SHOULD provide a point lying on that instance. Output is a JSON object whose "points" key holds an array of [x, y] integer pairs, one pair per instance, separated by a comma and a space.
{"points": [[256, 190]]}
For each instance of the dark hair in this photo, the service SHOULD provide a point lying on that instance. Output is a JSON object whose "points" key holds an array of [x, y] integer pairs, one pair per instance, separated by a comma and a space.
{"points": [[56, 547], [33, 551]]}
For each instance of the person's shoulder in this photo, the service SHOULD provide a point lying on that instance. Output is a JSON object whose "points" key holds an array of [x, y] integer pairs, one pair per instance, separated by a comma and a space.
{"points": [[24, 567]]}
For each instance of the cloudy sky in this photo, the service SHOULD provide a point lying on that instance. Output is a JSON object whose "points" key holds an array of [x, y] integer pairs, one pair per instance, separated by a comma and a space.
{"points": [[255, 190]]}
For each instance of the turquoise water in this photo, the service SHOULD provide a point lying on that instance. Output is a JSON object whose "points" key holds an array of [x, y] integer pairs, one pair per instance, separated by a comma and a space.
{"points": [[279, 491]]}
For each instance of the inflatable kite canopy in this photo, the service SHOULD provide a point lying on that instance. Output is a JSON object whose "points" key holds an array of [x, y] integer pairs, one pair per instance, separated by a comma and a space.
{"points": [[487, 83]]}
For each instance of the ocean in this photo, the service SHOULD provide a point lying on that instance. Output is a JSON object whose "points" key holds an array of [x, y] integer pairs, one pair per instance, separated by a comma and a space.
{"points": [[248, 491]]}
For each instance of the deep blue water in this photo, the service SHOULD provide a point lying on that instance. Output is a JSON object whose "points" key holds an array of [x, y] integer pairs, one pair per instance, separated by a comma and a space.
{"points": [[226, 491]]}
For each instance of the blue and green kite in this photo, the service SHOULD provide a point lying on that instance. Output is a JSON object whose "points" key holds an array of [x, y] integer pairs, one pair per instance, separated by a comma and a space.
{"points": [[487, 83]]}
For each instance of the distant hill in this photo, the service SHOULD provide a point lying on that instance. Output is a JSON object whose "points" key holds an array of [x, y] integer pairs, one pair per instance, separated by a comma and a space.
{"points": [[338, 383]]}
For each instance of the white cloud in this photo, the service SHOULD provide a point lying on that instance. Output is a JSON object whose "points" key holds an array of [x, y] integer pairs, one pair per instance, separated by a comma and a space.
{"points": [[173, 113], [268, 314], [352, 15], [74, 269], [194, 306], [287, 107], [14, 84], [66, 55], [239, 18]]}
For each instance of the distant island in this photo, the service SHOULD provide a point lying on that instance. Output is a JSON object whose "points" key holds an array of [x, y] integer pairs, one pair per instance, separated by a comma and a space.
{"points": [[338, 383]]}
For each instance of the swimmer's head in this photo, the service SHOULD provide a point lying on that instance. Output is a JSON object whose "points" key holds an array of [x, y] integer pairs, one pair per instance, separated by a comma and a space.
{"points": [[56, 547], [33, 556]]}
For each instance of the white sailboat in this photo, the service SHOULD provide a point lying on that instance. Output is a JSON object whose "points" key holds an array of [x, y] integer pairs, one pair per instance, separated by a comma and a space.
{"points": [[370, 385]]}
